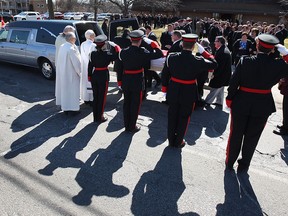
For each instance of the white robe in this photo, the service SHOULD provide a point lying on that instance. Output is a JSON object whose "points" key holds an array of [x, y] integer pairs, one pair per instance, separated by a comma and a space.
{"points": [[86, 48], [58, 42], [69, 72]]}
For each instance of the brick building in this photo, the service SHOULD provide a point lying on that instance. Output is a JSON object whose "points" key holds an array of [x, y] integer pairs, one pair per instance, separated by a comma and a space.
{"points": [[17, 6], [241, 10]]}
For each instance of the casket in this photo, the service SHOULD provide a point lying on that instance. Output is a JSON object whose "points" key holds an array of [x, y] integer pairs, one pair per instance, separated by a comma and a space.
{"points": [[158, 64]]}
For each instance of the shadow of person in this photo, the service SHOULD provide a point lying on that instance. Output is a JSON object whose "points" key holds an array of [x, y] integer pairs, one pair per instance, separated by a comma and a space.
{"points": [[156, 121], [54, 126], [117, 122], [64, 155], [213, 120], [34, 115], [240, 198], [158, 190], [96, 175]]}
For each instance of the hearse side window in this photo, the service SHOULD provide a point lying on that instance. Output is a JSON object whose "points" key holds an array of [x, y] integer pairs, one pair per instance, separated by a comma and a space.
{"points": [[3, 35], [19, 36], [45, 36]]}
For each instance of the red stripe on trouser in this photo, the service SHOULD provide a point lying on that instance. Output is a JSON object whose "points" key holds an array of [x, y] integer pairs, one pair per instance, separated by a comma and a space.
{"points": [[228, 144], [189, 119], [141, 94], [105, 96]]}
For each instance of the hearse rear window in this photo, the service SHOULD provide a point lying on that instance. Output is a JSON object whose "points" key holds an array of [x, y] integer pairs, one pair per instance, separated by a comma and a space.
{"points": [[45, 36]]}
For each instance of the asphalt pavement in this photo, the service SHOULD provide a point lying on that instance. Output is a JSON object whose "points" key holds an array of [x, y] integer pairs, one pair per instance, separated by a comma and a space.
{"points": [[53, 164]]}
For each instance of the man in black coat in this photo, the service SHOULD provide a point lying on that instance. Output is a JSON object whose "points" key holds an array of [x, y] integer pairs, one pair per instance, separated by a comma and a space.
{"points": [[166, 39], [250, 99], [179, 81], [133, 59], [177, 42], [221, 74]]}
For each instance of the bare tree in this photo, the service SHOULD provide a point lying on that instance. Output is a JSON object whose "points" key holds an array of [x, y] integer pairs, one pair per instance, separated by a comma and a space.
{"points": [[50, 9], [125, 5]]}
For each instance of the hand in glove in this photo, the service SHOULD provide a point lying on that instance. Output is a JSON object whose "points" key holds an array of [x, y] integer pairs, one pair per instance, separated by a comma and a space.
{"points": [[147, 40], [112, 43], [203, 52], [282, 49]]}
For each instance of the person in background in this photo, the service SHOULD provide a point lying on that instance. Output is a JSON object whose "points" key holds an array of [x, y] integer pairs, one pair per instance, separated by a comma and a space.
{"points": [[177, 42], [69, 71], [86, 48], [104, 26], [222, 74], [242, 47], [166, 39], [283, 87]]}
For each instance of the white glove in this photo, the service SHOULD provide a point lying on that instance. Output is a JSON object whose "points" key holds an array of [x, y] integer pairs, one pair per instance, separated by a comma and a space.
{"points": [[200, 48], [164, 95], [147, 40], [112, 43], [282, 49]]}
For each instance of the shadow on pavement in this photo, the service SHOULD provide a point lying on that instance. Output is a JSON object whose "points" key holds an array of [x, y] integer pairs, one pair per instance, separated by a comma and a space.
{"points": [[96, 175], [212, 119], [54, 126], [159, 190], [64, 155], [34, 115], [25, 83], [240, 198]]}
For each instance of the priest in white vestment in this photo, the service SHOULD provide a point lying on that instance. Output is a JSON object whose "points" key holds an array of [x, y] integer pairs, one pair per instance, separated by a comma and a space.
{"points": [[86, 47], [69, 72], [58, 42]]}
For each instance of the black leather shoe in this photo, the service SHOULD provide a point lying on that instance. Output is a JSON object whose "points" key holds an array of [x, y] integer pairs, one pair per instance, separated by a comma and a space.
{"points": [[182, 144], [135, 130], [281, 132], [103, 119], [279, 126]]}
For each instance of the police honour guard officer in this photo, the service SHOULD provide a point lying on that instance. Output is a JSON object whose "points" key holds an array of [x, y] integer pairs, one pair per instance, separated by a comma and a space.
{"points": [[98, 75], [250, 99], [133, 59], [179, 81]]}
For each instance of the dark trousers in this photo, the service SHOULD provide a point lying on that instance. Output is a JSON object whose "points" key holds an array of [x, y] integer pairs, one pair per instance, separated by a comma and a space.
{"points": [[285, 112], [99, 97], [131, 108], [245, 132], [178, 120]]}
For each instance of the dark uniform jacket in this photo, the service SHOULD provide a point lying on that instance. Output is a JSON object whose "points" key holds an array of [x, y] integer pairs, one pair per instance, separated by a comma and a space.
{"points": [[101, 59], [176, 47], [184, 66], [152, 36], [135, 58], [222, 73], [260, 72]]}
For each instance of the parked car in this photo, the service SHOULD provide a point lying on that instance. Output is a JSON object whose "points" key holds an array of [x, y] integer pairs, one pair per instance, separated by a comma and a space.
{"points": [[102, 16], [57, 15], [28, 15], [73, 16], [7, 17], [32, 43]]}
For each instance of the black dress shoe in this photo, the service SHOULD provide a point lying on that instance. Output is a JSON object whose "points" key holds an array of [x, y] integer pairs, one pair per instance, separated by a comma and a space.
{"points": [[280, 126], [281, 132], [182, 144], [103, 119], [135, 130]]}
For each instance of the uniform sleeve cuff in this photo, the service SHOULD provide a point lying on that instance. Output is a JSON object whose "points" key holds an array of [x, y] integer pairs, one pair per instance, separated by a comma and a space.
{"points": [[164, 89]]}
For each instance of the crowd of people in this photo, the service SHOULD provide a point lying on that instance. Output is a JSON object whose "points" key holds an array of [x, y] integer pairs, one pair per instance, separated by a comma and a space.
{"points": [[254, 49]]}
